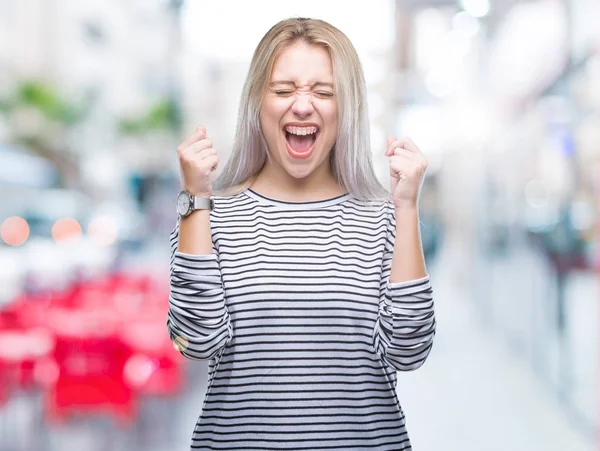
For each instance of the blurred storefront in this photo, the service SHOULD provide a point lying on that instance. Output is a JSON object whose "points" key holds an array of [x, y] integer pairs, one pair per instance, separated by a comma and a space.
{"points": [[503, 98], [538, 230]]}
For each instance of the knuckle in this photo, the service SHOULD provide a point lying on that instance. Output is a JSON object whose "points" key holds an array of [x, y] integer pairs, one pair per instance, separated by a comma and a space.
{"points": [[208, 153], [184, 158]]}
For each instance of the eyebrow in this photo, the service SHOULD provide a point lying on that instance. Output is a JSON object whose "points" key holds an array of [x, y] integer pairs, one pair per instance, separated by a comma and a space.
{"points": [[289, 82]]}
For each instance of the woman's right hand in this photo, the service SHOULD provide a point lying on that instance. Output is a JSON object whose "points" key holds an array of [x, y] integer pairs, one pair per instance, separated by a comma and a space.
{"points": [[197, 159]]}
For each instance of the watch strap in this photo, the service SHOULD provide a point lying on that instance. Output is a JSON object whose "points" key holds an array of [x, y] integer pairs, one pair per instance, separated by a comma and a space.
{"points": [[203, 203]]}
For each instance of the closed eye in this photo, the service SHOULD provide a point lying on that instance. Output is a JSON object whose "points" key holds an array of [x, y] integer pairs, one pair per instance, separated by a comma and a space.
{"points": [[285, 93]]}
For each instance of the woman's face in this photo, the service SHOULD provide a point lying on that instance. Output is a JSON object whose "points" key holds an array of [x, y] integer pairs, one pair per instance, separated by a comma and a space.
{"points": [[299, 112]]}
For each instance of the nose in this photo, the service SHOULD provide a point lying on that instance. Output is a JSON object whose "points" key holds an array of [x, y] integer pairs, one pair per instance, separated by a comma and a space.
{"points": [[303, 104]]}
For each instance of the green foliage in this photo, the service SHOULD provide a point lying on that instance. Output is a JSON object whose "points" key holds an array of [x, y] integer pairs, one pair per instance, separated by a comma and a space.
{"points": [[44, 98], [163, 115]]}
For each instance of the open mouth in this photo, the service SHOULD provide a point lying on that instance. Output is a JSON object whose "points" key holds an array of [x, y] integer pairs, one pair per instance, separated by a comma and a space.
{"points": [[301, 144]]}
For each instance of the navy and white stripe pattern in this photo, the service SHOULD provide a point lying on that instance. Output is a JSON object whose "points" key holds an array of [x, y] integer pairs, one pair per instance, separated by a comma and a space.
{"points": [[302, 327]]}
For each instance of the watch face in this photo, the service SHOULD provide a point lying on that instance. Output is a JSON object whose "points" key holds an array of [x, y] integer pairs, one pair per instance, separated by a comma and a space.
{"points": [[183, 203]]}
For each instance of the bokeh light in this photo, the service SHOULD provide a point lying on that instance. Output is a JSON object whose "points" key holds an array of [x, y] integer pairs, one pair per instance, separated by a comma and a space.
{"points": [[66, 230], [102, 230], [14, 231]]}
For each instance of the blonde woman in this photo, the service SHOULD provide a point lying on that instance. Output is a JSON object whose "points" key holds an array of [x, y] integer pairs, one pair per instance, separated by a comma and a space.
{"points": [[299, 277]]}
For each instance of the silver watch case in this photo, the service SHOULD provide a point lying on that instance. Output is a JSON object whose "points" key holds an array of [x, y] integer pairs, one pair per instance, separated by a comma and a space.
{"points": [[187, 203]]}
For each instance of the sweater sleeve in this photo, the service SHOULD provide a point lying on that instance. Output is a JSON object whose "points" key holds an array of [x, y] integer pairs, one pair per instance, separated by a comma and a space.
{"points": [[198, 321], [406, 324]]}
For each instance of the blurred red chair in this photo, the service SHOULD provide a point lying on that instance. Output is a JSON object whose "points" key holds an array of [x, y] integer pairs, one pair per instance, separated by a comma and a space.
{"points": [[155, 367], [20, 352], [90, 358], [93, 346]]}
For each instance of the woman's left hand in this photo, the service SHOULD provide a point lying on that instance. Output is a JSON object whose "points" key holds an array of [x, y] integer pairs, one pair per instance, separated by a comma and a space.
{"points": [[407, 171]]}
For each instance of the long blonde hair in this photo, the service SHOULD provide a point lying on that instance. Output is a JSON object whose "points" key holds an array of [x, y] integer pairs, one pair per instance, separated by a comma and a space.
{"points": [[350, 158]]}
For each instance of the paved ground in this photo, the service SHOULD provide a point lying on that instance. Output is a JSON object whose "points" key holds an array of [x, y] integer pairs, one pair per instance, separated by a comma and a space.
{"points": [[474, 393]]}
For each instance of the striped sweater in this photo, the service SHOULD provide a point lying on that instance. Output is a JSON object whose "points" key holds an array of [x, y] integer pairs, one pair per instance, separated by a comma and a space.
{"points": [[303, 331]]}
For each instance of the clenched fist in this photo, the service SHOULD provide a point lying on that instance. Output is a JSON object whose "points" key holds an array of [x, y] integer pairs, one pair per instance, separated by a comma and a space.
{"points": [[407, 171], [197, 159]]}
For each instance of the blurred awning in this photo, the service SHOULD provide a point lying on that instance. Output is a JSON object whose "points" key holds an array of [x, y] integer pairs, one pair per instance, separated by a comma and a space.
{"points": [[17, 167]]}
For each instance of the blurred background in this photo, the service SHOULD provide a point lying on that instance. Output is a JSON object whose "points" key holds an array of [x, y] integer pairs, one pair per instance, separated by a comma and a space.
{"points": [[502, 96]]}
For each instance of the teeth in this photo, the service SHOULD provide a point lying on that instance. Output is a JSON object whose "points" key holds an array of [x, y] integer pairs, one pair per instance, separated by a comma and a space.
{"points": [[301, 130]]}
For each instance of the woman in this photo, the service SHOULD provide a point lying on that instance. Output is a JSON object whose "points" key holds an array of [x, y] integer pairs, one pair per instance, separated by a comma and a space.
{"points": [[305, 286]]}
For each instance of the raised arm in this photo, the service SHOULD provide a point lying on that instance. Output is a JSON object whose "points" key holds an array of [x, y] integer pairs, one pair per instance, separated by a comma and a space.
{"points": [[198, 321], [404, 331]]}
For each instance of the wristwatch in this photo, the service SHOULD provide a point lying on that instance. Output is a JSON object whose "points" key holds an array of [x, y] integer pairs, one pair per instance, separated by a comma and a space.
{"points": [[186, 203]]}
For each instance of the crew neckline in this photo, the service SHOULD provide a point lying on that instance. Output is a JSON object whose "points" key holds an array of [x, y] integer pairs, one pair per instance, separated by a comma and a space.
{"points": [[290, 204]]}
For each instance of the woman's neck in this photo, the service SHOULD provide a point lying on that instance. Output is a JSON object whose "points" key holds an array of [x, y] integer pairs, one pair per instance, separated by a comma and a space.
{"points": [[284, 187]]}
